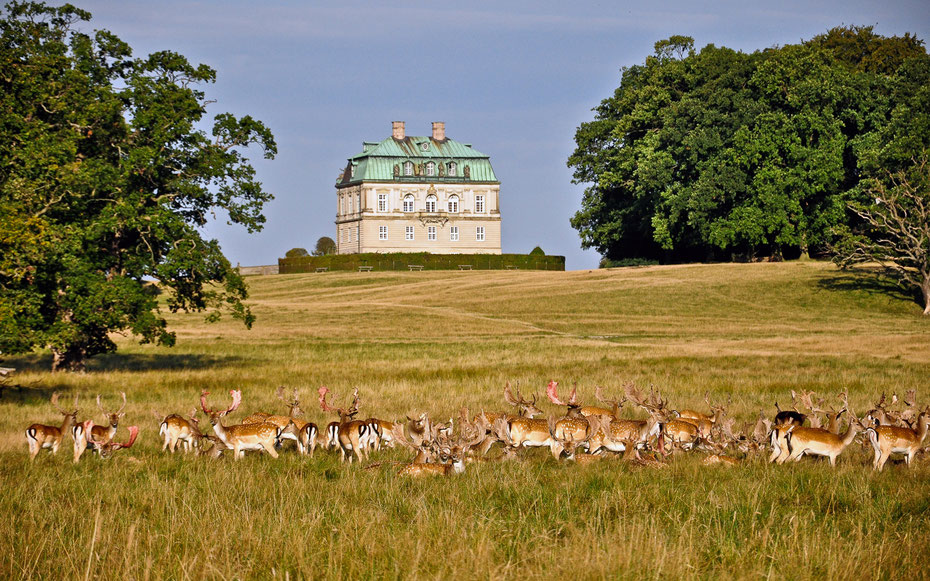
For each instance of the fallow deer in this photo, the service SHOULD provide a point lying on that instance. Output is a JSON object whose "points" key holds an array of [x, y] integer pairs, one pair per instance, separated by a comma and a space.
{"points": [[888, 440], [818, 441], [241, 437], [291, 424], [176, 428], [40, 436], [104, 433], [353, 434], [525, 409], [104, 448]]}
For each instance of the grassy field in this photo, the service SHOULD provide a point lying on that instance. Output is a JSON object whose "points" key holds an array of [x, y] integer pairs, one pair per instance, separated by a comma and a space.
{"points": [[437, 341]]}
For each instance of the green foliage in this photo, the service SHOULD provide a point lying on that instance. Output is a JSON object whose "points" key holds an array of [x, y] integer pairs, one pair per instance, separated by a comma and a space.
{"points": [[402, 261], [294, 252], [325, 246], [105, 183], [537, 251], [714, 153]]}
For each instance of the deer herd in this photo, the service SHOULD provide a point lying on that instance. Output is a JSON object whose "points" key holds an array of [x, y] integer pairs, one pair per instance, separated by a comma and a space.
{"points": [[583, 433]]}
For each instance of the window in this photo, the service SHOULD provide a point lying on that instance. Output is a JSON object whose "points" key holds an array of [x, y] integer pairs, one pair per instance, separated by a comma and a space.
{"points": [[408, 168], [382, 232], [454, 234], [431, 233], [430, 203], [408, 233], [430, 169], [453, 204], [382, 202], [350, 204], [358, 202], [479, 204], [408, 203], [452, 168], [479, 234]]}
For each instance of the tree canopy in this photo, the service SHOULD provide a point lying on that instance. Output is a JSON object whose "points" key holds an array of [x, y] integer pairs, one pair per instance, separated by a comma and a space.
{"points": [[325, 245], [715, 153], [106, 179]]}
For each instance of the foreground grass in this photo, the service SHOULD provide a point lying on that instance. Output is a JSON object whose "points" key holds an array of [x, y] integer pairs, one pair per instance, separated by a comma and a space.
{"points": [[439, 341]]}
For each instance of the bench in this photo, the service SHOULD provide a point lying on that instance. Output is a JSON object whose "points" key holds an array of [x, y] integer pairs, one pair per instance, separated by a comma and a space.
{"points": [[365, 268], [512, 267], [464, 267], [322, 268], [413, 267]]}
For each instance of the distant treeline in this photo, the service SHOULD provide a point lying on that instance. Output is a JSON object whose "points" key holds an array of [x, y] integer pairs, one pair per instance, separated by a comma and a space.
{"points": [[404, 260], [719, 154]]}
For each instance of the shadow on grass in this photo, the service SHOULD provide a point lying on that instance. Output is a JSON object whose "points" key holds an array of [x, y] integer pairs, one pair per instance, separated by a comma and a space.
{"points": [[41, 363], [869, 282]]}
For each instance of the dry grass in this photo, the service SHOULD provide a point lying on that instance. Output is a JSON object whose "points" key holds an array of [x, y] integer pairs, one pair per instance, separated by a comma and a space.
{"points": [[441, 340]]}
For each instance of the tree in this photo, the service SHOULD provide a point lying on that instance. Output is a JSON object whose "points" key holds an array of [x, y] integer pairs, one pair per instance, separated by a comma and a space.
{"points": [[714, 152], [325, 245], [896, 230], [537, 251], [295, 252], [105, 182]]}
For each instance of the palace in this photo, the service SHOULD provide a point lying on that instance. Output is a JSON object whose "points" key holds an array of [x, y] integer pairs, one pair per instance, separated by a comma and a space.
{"points": [[418, 194]]}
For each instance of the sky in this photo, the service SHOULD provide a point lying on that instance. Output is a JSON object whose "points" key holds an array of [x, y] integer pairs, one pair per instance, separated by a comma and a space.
{"points": [[513, 78]]}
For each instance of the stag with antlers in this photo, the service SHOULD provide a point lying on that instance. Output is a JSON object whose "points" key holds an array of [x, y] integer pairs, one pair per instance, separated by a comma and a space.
{"points": [[352, 434], [241, 437]]}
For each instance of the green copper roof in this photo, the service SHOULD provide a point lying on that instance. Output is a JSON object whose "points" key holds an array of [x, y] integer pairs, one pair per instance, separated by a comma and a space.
{"points": [[377, 162]]}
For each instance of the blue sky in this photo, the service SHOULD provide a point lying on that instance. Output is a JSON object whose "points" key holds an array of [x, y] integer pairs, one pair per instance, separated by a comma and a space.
{"points": [[515, 79]]}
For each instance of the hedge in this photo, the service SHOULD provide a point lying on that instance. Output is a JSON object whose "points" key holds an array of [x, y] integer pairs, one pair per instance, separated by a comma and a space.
{"points": [[402, 261]]}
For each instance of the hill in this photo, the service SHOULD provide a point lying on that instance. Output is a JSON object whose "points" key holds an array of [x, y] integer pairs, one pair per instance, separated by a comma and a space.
{"points": [[438, 341]]}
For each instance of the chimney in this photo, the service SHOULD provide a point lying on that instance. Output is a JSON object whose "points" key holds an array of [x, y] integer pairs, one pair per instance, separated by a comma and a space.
{"points": [[397, 129], [439, 131]]}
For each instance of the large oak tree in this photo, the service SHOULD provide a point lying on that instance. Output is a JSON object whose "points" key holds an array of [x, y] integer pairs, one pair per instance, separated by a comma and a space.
{"points": [[106, 180], [711, 153]]}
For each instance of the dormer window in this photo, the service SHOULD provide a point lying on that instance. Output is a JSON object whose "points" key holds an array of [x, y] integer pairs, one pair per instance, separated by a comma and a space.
{"points": [[430, 203], [453, 168], [430, 169], [408, 168]]}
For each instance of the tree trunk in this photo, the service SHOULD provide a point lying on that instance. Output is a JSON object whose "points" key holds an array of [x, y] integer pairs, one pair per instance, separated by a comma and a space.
{"points": [[70, 359], [925, 289]]}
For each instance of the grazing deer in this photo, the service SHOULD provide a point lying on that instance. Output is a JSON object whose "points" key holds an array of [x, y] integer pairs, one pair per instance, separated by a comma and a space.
{"points": [[290, 425], [818, 441], [888, 440], [332, 435], [353, 434], [40, 436], [778, 438], [175, 428], [241, 437]]}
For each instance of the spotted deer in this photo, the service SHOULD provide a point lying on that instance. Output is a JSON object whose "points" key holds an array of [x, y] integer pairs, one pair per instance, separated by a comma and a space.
{"points": [[176, 428], [241, 437], [101, 434], [888, 440], [40, 436]]}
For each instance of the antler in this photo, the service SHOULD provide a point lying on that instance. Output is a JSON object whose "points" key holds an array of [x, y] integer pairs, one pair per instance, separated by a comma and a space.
{"points": [[119, 412], [55, 403], [236, 400], [553, 395], [323, 405], [133, 432], [203, 401]]}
